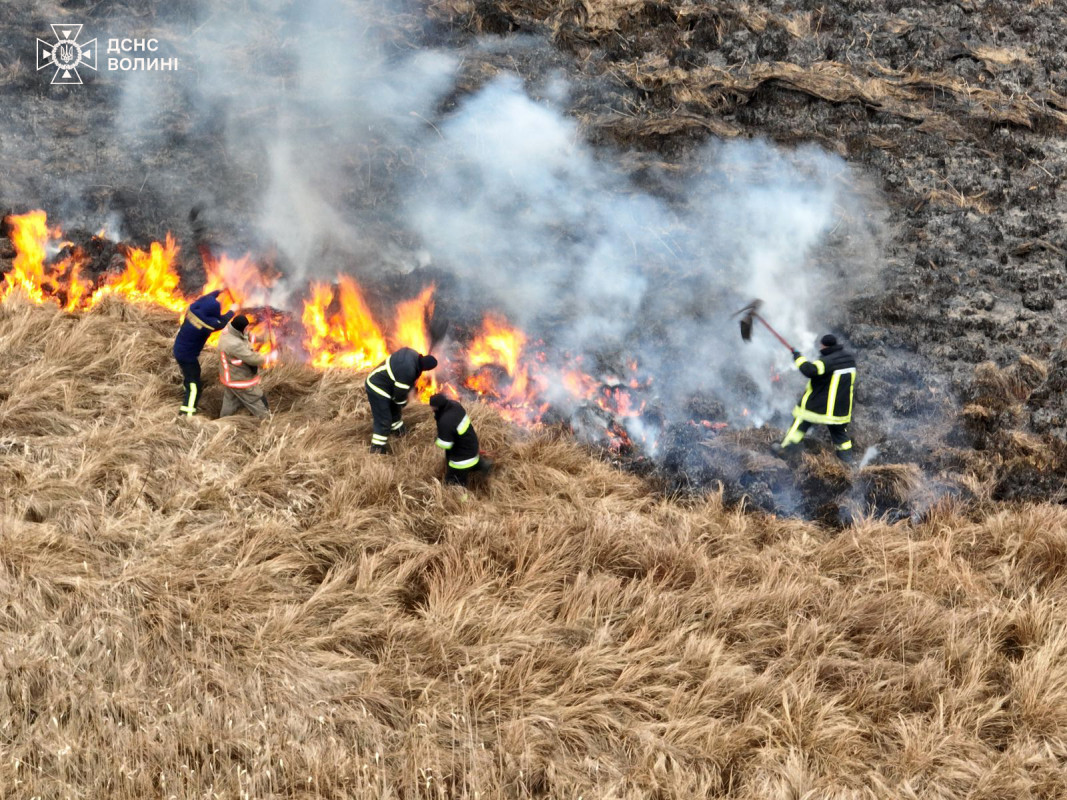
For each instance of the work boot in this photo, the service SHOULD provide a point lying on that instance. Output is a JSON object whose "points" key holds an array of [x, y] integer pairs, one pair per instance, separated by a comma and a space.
{"points": [[401, 432], [379, 449], [485, 465], [785, 451], [845, 456]]}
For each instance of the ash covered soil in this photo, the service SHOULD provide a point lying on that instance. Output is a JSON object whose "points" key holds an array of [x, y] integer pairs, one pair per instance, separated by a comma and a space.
{"points": [[957, 112]]}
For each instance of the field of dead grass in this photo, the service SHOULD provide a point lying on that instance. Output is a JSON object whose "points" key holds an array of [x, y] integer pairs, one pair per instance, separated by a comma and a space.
{"points": [[222, 609]]}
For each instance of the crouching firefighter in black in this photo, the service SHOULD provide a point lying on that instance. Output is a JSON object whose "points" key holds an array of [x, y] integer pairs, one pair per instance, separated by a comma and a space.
{"points": [[388, 386], [828, 398], [456, 436]]}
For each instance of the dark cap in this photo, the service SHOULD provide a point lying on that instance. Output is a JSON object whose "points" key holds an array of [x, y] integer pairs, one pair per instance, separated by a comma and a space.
{"points": [[829, 340], [427, 362], [240, 322]]}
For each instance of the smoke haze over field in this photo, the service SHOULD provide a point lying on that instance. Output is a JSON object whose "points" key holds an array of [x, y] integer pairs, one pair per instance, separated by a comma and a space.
{"points": [[307, 127]]}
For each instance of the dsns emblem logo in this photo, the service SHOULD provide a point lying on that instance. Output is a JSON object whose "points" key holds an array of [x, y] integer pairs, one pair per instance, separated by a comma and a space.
{"points": [[66, 54]]}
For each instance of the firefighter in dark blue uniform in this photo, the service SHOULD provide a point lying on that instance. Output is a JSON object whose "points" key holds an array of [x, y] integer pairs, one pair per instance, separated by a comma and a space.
{"points": [[456, 436], [828, 397], [202, 319], [388, 387]]}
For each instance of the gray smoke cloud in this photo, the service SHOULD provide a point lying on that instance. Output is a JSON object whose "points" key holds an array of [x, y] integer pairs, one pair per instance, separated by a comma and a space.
{"points": [[307, 128], [539, 224]]}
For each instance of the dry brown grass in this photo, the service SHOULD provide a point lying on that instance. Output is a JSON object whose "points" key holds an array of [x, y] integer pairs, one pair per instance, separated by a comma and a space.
{"points": [[222, 609]]}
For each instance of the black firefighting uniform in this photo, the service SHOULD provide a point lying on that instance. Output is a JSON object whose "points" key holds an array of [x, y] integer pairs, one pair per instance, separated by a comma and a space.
{"points": [[456, 436], [388, 386], [828, 398]]}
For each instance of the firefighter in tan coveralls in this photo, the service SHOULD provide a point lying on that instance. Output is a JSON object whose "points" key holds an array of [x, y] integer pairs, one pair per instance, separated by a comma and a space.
{"points": [[239, 365]]}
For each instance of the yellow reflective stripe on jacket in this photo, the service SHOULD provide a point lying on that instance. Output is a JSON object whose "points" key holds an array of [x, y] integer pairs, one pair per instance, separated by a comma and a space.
{"points": [[819, 365], [443, 444], [392, 377], [464, 424], [382, 392], [197, 322], [831, 393], [466, 463], [820, 419], [835, 381], [378, 389]]}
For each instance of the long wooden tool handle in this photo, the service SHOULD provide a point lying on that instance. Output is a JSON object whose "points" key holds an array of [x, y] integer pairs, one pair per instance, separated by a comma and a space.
{"points": [[776, 334]]}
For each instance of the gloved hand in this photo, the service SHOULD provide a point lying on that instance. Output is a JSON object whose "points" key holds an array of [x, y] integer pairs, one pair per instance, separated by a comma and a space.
{"points": [[796, 354]]}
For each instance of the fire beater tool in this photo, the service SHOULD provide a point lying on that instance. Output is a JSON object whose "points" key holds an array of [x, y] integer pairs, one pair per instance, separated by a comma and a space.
{"points": [[751, 312]]}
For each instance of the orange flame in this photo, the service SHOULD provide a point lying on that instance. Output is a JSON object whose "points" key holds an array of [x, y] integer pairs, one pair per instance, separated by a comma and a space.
{"points": [[410, 330], [246, 282], [149, 277], [339, 329], [497, 344], [30, 236], [499, 348], [345, 337]]}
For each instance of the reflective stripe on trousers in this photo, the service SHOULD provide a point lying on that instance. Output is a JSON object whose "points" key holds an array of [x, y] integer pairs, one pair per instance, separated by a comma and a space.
{"points": [[466, 463], [190, 407]]}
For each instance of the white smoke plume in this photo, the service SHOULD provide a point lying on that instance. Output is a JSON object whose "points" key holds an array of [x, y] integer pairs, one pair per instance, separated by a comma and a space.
{"points": [[306, 129], [538, 223]]}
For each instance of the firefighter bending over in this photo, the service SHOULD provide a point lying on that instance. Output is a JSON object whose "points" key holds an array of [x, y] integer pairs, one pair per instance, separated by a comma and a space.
{"points": [[202, 319], [828, 398], [388, 386], [456, 436], [239, 365]]}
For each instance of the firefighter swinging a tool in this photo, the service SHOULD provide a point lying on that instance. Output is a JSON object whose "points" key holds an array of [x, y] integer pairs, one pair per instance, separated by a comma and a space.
{"points": [[828, 398]]}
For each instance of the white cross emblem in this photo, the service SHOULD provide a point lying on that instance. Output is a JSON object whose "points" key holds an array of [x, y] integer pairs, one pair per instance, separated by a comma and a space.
{"points": [[66, 55]]}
